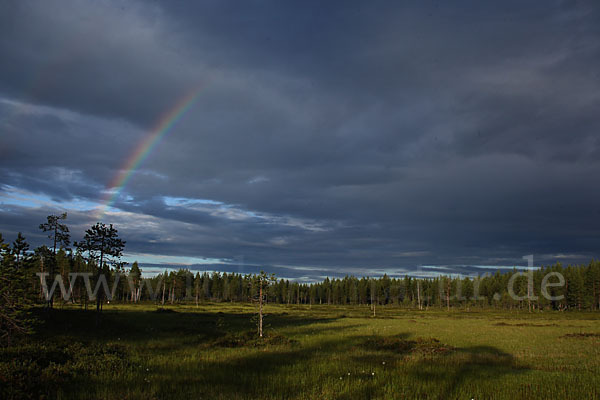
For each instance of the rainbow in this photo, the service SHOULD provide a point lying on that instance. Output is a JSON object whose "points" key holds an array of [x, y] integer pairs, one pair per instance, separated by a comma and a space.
{"points": [[145, 148]]}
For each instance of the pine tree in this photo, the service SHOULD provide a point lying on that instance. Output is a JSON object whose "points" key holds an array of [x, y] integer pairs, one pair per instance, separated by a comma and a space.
{"points": [[261, 282], [103, 246], [59, 234], [20, 248], [135, 275], [575, 287], [14, 319]]}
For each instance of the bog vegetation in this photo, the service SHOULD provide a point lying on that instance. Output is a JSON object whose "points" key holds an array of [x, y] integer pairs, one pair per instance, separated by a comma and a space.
{"points": [[199, 335]]}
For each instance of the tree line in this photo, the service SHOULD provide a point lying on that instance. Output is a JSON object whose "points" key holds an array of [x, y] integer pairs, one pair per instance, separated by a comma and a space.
{"points": [[580, 291], [572, 287]]}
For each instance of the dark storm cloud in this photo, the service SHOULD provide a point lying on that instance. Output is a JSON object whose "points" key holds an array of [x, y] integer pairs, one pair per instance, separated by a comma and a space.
{"points": [[346, 137], [99, 57]]}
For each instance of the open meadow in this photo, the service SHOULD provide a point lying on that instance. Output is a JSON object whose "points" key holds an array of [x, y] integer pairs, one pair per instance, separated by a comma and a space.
{"points": [[321, 352]]}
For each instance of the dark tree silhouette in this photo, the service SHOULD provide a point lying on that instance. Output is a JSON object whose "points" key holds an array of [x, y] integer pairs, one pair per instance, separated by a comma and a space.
{"points": [[20, 248], [103, 246], [59, 233], [13, 299]]}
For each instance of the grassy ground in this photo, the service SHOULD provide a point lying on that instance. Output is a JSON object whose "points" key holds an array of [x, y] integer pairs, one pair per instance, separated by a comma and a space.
{"points": [[325, 352]]}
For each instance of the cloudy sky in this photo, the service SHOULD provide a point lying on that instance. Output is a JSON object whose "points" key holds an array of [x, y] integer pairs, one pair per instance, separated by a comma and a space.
{"points": [[327, 138]]}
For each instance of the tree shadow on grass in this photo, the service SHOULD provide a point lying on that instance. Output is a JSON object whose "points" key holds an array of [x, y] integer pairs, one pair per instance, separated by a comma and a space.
{"points": [[150, 325], [437, 370], [247, 374], [270, 372], [254, 374], [475, 364]]}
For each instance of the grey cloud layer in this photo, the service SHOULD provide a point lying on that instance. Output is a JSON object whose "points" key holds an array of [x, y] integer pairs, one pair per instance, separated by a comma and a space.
{"points": [[427, 133]]}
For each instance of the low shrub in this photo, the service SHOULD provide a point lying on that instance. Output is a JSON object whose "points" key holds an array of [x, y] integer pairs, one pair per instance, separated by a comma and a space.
{"points": [[161, 310], [42, 369], [400, 345], [581, 335], [251, 339]]}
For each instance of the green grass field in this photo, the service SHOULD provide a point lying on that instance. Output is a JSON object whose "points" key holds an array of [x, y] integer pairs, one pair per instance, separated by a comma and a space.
{"points": [[323, 352]]}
